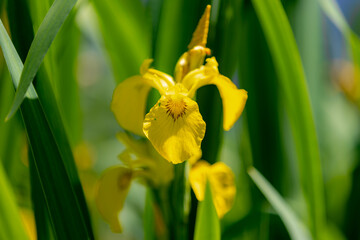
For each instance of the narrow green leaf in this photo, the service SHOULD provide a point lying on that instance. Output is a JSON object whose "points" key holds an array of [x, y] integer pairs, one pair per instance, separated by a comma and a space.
{"points": [[39, 47], [44, 225], [207, 223], [293, 84], [65, 202], [11, 226], [13, 60], [294, 226], [149, 217]]}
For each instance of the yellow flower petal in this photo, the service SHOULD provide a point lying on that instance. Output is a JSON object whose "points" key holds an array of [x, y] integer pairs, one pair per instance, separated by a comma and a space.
{"points": [[223, 188], [194, 58], [233, 99], [222, 184], [129, 103], [111, 193], [197, 178], [175, 127], [129, 98], [201, 32]]}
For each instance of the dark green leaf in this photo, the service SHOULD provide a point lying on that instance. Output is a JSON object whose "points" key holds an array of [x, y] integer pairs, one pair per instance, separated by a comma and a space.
{"points": [[54, 163], [39, 47], [293, 84]]}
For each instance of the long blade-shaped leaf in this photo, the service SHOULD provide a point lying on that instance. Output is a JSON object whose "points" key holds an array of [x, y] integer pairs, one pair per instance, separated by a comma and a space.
{"points": [[10, 223], [42, 41], [52, 164], [294, 226], [207, 223], [293, 84]]}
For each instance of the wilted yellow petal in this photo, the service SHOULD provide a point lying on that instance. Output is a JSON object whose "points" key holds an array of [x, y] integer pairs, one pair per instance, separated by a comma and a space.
{"points": [[222, 184], [111, 193], [201, 32], [233, 99], [129, 103], [175, 127]]}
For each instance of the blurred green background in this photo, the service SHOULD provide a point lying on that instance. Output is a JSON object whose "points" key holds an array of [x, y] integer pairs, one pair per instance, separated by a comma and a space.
{"points": [[103, 42]]}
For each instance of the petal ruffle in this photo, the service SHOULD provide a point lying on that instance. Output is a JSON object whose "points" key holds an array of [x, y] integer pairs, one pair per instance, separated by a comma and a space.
{"points": [[129, 103], [175, 127], [233, 99], [222, 184], [111, 193]]}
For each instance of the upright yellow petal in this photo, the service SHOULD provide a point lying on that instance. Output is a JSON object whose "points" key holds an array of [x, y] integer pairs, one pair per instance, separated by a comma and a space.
{"points": [[201, 32], [222, 184], [194, 58], [233, 99], [175, 127], [129, 103], [111, 193]]}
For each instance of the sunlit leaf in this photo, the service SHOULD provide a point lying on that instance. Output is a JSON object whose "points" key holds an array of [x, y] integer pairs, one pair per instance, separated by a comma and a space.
{"points": [[39, 47]]}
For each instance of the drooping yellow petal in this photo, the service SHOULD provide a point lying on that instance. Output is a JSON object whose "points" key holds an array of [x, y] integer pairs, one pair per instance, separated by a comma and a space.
{"points": [[222, 184], [111, 193], [201, 32], [175, 126], [223, 188], [233, 99], [129, 103], [197, 177]]}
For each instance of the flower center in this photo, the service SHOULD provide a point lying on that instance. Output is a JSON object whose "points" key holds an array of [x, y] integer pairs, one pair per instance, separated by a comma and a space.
{"points": [[176, 107]]}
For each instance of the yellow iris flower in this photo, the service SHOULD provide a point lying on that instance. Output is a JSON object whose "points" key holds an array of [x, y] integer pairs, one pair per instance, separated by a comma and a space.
{"points": [[141, 162], [222, 184], [174, 124]]}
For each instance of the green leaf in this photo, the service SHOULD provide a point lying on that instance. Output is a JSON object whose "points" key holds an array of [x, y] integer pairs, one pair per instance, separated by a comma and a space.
{"points": [[293, 84], [207, 223], [294, 226], [39, 47], [149, 217], [11, 226], [54, 163]]}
